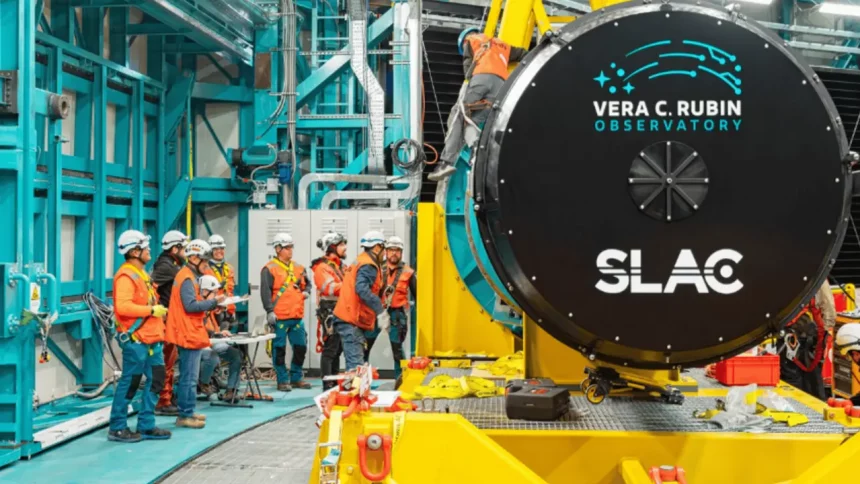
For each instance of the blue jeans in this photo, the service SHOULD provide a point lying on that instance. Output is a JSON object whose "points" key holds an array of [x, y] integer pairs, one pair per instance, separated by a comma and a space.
{"points": [[138, 360], [189, 371], [353, 341], [212, 357], [294, 330], [396, 336]]}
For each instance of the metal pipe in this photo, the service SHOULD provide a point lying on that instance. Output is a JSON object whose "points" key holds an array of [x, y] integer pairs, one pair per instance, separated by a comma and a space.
{"points": [[292, 114], [367, 78], [22, 279], [416, 130], [392, 195], [246, 53], [311, 178], [54, 300]]}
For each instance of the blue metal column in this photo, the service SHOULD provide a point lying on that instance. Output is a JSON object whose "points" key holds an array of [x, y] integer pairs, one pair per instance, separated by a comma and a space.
{"points": [[17, 170]]}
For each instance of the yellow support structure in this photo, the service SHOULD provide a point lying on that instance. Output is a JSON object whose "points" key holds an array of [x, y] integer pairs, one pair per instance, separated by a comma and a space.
{"points": [[449, 318]]}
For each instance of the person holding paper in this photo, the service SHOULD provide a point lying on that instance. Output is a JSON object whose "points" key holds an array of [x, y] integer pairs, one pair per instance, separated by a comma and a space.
{"points": [[226, 275]]}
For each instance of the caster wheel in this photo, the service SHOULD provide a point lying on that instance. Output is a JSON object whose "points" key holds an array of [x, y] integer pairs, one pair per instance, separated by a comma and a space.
{"points": [[594, 394], [585, 384]]}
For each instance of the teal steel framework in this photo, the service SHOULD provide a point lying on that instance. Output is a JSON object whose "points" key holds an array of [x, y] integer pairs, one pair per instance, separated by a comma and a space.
{"points": [[150, 179]]}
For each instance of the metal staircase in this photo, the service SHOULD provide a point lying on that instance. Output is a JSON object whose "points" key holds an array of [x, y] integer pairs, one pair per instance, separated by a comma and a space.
{"points": [[844, 87], [443, 77]]}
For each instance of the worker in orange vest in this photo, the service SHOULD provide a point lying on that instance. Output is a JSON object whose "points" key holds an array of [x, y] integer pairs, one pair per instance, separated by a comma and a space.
{"points": [[359, 307], [399, 281], [140, 331], [226, 275], [164, 271], [485, 64], [328, 279], [283, 289], [186, 329]]}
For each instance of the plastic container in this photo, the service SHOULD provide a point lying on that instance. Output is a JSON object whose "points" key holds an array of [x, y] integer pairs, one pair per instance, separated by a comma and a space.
{"points": [[744, 370]]}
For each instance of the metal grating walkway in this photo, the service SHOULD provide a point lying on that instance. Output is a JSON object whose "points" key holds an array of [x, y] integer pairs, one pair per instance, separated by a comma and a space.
{"points": [[280, 451], [617, 413]]}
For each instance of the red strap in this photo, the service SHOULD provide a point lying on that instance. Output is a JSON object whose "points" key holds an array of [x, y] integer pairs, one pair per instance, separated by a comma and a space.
{"points": [[820, 343]]}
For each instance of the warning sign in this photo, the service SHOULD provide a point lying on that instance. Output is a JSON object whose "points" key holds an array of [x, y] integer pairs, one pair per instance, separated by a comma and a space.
{"points": [[35, 297]]}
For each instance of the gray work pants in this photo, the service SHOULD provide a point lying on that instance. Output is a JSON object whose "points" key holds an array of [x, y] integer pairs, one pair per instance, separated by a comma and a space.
{"points": [[481, 87]]}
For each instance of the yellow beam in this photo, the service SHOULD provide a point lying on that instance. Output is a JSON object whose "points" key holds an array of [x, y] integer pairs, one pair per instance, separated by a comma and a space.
{"points": [[493, 18], [632, 472], [449, 318]]}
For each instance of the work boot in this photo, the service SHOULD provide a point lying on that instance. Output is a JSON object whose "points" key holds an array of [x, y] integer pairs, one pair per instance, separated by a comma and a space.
{"points": [[301, 384], [155, 434], [206, 389], [230, 395], [125, 435], [284, 387], [169, 411], [199, 416], [190, 422], [444, 170]]}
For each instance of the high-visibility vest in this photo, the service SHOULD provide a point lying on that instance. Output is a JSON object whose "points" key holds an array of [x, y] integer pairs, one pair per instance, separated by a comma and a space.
{"points": [[226, 276], [400, 298], [151, 330], [350, 308], [328, 276], [287, 289], [184, 329], [489, 55]]}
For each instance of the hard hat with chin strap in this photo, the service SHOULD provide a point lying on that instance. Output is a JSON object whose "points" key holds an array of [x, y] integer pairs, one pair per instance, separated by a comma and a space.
{"points": [[465, 33], [208, 283], [173, 238], [282, 240], [394, 242], [848, 338], [330, 239], [132, 239], [217, 242], [198, 247], [372, 239]]}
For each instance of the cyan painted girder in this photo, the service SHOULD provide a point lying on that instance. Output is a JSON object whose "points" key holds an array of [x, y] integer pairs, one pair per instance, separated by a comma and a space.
{"points": [[222, 93], [177, 99], [310, 87]]}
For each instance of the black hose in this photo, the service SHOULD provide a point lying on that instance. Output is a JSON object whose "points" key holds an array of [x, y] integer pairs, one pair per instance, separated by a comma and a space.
{"points": [[414, 161]]}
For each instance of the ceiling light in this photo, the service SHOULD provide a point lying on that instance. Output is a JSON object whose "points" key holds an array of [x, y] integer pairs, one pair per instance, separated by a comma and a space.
{"points": [[840, 9]]}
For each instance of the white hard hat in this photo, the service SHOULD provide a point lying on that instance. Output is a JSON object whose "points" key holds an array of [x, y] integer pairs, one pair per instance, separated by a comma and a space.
{"points": [[848, 338], [283, 240], [217, 242], [394, 242], [209, 283], [372, 239], [131, 239], [330, 239], [199, 248], [173, 238]]}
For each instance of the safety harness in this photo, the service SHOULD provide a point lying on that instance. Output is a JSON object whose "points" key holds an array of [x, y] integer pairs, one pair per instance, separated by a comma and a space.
{"points": [[792, 343], [325, 311], [124, 338], [390, 289]]}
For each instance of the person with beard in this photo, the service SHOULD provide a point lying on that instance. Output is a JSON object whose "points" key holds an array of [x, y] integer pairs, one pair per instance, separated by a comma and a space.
{"points": [[328, 279], [164, 271], [399, 281], [359, 307]]}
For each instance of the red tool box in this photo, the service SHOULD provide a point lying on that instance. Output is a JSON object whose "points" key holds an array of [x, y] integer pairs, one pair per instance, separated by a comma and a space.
{"points": [[745, 369]]}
